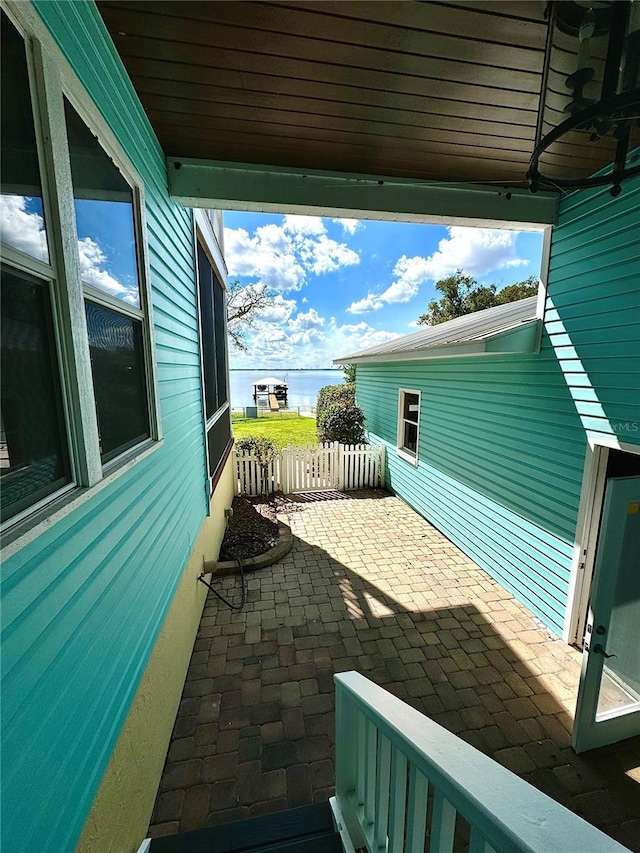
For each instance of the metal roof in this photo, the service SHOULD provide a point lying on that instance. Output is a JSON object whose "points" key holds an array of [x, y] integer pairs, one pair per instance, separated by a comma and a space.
{"points": [[450, 338]]}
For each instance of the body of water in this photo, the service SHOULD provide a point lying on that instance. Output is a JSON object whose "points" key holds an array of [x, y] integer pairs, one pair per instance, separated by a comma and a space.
{"points": [[303, 385]]}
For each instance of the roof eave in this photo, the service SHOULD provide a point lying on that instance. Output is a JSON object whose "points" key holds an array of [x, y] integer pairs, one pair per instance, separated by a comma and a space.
{"points": [[516, 340]]}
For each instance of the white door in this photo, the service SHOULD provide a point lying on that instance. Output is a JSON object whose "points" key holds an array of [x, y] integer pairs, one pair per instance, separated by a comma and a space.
{"points": [[608, 708]]}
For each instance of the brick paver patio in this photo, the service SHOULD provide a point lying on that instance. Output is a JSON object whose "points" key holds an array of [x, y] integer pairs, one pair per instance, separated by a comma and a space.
{"points": [[371, 586]]}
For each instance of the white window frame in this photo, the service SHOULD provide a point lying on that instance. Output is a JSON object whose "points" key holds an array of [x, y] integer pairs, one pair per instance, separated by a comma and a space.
{"points": [[405, 454], [51, 79]]}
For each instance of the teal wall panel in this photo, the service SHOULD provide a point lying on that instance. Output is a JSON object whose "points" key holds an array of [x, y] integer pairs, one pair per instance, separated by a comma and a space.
{"points": [[503, 438], [501, 453], [593, 308], [83, 604]]}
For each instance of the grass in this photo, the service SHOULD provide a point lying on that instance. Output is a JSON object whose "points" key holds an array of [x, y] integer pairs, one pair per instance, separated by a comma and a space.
{"points": [[280, 429], [282, 415]]}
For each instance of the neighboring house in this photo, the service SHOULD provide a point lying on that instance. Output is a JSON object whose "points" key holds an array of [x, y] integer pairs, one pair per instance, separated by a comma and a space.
{"points": [[504, 442], [115, 443]]}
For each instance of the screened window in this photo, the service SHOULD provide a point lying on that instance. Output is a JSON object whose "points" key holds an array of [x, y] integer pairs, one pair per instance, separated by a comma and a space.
{"points": [[117, 364], [213, 334], [408, 423]]}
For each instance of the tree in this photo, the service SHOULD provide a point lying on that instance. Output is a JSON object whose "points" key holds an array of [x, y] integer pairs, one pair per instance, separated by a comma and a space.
{"points": [[349, 371], [244, 303], [519, 290], [461, 294]]}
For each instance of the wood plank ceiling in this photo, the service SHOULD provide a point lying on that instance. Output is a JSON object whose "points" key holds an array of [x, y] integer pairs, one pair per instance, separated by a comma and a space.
{"points": [[430, 90]]}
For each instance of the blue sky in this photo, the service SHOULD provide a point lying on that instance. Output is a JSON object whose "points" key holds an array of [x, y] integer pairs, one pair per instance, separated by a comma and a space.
{"points": [[342, 285]]}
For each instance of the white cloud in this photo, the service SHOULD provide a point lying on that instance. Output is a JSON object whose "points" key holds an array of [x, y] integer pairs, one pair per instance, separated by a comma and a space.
{"points": [[21, 229], [370, 302], [307, 321], [282, 256], [279, 311], [306, 340], [477, 251], [268, 256], [25, 231], [350, 226], [304, 224], [92, 261], [329, 256]]}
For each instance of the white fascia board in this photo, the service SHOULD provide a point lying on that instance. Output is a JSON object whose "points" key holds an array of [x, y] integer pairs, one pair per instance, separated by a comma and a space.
{"points": [[272, 189], [528, 342]]}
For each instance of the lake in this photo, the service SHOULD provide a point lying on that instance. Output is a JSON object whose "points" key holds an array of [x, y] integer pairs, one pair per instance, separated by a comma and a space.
{"points": [[303, 385]]}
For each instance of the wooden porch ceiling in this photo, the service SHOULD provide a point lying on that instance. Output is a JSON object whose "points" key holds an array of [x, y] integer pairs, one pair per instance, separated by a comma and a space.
{"points": [[443, 91]]}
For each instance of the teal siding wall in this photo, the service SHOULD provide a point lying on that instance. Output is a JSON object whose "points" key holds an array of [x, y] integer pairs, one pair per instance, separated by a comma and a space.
{"points": [[84, 603], [593, 308], [501, 455], [502, 439]]}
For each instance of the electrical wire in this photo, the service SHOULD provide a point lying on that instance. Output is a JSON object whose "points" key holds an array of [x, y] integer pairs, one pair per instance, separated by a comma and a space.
{"points": [[236, 543]]}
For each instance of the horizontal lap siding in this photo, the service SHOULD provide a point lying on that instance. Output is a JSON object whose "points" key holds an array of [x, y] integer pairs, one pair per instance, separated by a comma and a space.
{"points": [[502, 440], [501, 456], [84, 603], [593, 308]]}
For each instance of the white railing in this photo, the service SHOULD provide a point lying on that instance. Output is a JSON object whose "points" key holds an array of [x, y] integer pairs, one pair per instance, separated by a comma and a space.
{"points": [[402, 780], [313, 468]]}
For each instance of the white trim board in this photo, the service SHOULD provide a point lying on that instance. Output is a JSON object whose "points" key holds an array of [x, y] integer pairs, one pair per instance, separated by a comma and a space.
{"points": [[587, 528]]}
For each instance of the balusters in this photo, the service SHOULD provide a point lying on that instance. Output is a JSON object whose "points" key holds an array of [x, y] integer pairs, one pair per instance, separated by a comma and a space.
{"points": [[383, 774], [416, 811], [478, 843], [397, 801], [370, 772], [443, 824]]}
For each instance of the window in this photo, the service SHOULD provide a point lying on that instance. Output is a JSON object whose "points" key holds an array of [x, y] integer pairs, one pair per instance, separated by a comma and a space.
{"points": [[408, 424], [76, 389], [104, 207], [213, 336]]}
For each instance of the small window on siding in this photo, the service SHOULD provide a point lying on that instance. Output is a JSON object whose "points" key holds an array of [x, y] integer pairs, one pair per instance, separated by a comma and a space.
{"points": [[408, 424]]}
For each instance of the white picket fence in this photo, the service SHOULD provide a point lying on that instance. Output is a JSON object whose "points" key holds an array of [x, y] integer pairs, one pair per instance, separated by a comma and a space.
{"points": [[314, 468]]}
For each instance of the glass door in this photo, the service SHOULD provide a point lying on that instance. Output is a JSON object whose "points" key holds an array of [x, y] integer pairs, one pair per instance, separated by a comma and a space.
{"points": [[608, 708]]}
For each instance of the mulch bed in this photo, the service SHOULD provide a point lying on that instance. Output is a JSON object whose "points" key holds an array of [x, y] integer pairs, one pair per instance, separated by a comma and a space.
{"points": [[252, 529]]}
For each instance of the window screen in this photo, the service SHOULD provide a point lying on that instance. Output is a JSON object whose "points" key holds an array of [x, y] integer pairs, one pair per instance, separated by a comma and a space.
{"points": [[117, 363]]}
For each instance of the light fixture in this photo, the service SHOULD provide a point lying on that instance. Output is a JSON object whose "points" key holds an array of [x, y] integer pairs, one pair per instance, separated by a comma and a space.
{"points": [[589, 116]]}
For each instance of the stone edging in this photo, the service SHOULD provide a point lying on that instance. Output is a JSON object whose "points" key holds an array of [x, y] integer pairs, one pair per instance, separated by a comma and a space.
{"points": [[252, 564]]}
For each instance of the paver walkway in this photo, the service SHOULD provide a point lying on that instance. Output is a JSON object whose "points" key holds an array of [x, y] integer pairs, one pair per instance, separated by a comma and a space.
{"points": [[373, 587]]}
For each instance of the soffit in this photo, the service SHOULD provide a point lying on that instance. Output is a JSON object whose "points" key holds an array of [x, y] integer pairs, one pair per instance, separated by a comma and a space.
{"points": [[436, 91]]}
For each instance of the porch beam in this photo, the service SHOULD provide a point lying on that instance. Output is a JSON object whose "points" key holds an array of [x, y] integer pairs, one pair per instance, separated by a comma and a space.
{"points": [[273, 189]]}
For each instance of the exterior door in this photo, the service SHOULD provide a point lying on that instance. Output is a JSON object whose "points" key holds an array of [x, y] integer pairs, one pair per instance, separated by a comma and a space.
{"points": [[608, 708]]}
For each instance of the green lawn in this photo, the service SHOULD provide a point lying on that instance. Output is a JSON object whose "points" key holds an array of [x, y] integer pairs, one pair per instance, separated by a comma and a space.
{"points": [[280, 429]]}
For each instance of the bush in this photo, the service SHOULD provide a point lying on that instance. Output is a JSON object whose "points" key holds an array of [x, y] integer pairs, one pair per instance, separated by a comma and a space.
{"points": [[265, 449], [344, 424], [332, 395]]}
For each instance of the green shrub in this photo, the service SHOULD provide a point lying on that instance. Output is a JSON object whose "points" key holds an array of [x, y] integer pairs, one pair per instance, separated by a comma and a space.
{"points": [[265, 449], [344, 424], [331, 395]]}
